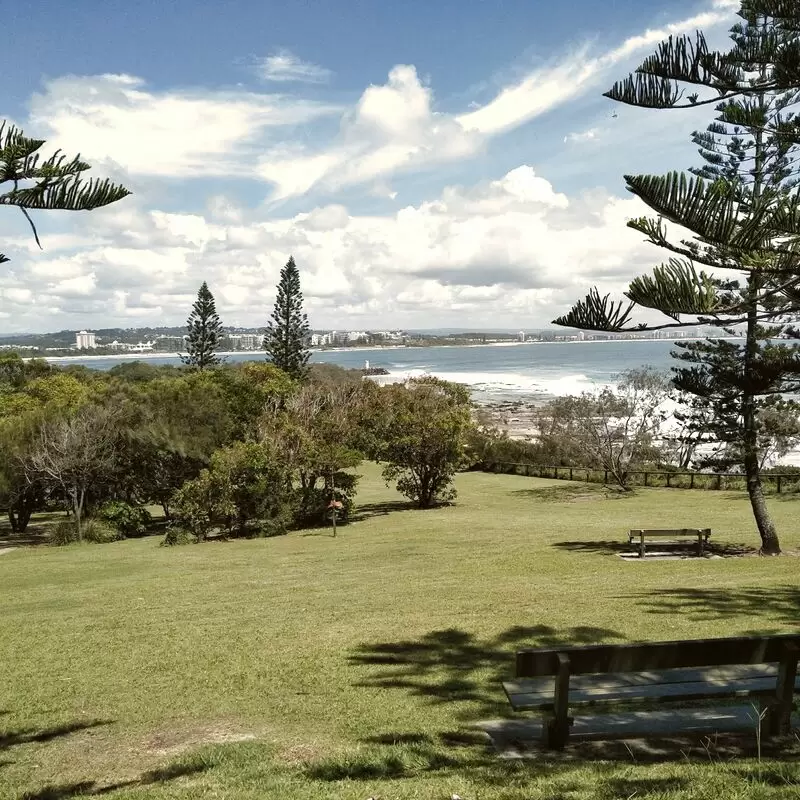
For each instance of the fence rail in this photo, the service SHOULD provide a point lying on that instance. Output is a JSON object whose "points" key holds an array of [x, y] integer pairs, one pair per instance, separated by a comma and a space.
{"points": [[655, 478]]}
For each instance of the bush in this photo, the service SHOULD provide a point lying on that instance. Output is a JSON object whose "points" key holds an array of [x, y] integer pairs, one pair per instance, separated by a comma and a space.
{"points": [[97, 531], [63, 532], [127, 519], [178, 536], [244, 484], [94, 531]]}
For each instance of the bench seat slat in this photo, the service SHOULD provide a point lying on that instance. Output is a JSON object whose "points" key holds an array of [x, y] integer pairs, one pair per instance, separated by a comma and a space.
{"points": [[670, 532]]}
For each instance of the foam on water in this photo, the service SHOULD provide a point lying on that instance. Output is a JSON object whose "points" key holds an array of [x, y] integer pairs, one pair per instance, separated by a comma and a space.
{"points": [[500, 384]]}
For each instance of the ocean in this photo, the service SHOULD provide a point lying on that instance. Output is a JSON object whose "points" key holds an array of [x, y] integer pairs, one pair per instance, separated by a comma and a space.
{"points": [[496, 372]]}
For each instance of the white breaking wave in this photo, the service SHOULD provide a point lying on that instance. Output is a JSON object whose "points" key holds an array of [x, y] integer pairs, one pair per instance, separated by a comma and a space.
{"points": [[500, 383]]}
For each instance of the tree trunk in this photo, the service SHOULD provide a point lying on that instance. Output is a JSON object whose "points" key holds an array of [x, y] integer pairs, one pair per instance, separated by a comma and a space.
{"points": [[23, 514], [12, 518], [770, 545], [77, 506]]}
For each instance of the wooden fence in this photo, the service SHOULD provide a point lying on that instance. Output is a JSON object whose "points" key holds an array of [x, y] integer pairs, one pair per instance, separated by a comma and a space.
{"points": [[780, 482]]}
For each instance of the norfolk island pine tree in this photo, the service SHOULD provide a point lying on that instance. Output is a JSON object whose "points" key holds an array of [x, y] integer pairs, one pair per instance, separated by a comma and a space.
{"points": [[743, 211], [287, 330], [205, 332]]}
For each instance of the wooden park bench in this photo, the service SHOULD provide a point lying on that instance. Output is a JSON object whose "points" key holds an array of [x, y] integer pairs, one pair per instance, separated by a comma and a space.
{"points": [[761, 670], [701, 534]]}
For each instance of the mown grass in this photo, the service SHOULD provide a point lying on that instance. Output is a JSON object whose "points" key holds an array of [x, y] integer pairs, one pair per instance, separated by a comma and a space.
{"points": [[311, 667]]}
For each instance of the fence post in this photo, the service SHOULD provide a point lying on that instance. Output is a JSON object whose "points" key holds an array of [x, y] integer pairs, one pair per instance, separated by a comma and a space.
{"points": [[587, 474], [779, 483], [719, 482], [570, 477], [691, 481], [646, 473]]}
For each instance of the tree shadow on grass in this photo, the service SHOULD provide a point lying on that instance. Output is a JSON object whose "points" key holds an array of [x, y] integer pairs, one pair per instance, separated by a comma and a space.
{"points": [[459, 754], [369, 510], [604, 547], [64, 791], [780, 605], [687, 547], [571, 492], [455, 666], [14, 738]]}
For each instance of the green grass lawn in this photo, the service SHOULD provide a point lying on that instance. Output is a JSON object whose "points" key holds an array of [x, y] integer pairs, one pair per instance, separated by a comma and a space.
{"points": [[311, 667]]}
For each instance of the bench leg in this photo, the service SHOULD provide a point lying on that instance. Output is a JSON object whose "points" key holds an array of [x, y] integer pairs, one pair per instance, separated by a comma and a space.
{"points": [[773, 721], [555, 732], [641, 547]]}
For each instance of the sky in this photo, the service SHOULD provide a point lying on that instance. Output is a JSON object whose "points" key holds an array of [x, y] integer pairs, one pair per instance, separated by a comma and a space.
{"points": [[427, 164]]}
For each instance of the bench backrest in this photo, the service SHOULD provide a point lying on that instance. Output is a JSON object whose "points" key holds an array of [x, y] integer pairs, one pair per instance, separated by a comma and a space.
{"points": [[671, 531], [644, 656]]}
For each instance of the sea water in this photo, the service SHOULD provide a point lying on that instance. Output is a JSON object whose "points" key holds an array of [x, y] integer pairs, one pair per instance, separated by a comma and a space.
{"points": [[495, 372]]}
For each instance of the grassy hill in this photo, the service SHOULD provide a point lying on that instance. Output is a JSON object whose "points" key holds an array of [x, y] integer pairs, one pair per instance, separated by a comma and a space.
{"points": [[311, 667]]}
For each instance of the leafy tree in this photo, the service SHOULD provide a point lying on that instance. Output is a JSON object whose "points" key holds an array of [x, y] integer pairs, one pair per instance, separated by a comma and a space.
{"points": [[244, 483], [287, 330], [743, 213], [20, 494], [205, 332], [167, 430], [313, 429], [424, 427], [50, 183], [247, 390], [607, 429], [73, 455]]}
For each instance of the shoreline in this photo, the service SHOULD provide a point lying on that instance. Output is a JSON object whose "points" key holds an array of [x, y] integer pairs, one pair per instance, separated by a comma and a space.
{"points": [[370, 349]]}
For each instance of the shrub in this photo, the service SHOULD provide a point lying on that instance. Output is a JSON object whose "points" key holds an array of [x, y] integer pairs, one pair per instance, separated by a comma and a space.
{"points": [[94, 531], [243, 485], [63, 532], [127, 519], [97, 531], [178, 536]]}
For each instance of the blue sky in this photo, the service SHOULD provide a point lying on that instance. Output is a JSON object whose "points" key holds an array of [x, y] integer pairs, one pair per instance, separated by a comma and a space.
{"points": [[427, 164]]}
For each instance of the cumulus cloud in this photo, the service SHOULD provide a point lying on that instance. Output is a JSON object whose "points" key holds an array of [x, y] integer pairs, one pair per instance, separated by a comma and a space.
{"points": [[512, 248], [283, 65], [396, 127], [393, 127], [174, 134]]}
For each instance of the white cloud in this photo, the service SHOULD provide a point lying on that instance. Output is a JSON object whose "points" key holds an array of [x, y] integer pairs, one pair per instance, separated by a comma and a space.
{"points": [[513, 248], [393, 127], [168, 134], [396, 127], [283, 65], [588, 135]]}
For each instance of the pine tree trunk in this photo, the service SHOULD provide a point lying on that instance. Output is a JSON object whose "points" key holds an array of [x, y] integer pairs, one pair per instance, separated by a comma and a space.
{"points": [[770, 546]]}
